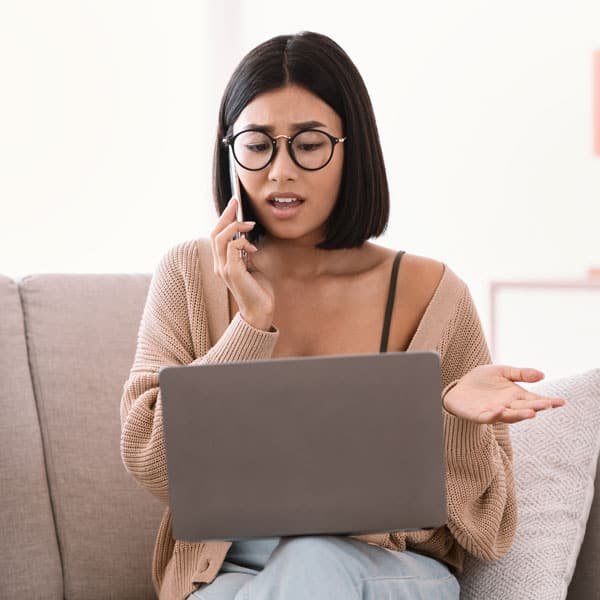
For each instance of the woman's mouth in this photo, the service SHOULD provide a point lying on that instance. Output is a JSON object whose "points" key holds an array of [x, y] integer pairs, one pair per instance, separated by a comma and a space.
{"points": [[285, 208]]}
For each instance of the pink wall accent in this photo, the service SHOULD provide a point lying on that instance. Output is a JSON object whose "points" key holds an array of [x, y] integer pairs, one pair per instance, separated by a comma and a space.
{"points": [[596, 102]]}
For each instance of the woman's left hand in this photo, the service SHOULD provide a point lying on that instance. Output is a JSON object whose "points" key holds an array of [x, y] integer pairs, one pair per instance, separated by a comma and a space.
{"points": [[488, 394]]}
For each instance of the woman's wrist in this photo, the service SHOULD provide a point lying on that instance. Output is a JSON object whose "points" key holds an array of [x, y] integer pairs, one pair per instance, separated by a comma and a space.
{"points": [[263, 323]]}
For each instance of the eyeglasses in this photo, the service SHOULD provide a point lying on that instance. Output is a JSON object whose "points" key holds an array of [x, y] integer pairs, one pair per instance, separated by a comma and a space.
{"points": [[310, 149]]}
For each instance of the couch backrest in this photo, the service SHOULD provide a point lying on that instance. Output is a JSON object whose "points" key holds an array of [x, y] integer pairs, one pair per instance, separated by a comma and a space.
{"points": [[29, 557], [81, 336]]}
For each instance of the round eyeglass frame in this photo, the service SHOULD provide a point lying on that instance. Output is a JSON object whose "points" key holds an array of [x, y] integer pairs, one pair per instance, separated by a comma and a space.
{"points": [[230, 141]]}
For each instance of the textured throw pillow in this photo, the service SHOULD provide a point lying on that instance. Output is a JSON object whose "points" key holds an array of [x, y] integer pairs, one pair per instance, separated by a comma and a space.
{"points": [[554, 461]]}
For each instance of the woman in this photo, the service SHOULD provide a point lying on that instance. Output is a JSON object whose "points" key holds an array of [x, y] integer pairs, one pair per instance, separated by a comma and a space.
{"points": [[299, 120]]}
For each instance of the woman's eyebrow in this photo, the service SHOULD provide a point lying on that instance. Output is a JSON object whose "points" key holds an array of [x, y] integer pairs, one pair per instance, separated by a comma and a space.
{"points": [[295, 126]]}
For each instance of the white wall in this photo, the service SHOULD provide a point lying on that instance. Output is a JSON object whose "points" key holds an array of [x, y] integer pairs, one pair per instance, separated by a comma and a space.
{"points": [[108, 112]]}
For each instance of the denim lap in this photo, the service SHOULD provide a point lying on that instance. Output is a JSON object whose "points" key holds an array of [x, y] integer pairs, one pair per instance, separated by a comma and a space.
{"points": [[331, 567]]}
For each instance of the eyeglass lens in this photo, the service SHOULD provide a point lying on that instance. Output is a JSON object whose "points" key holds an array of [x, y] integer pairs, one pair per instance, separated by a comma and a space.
{"points": [[311, 149]]}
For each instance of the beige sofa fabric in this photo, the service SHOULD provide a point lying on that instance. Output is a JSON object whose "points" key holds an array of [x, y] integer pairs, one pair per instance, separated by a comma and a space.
{"points": [[29, 551], [82, 331]]}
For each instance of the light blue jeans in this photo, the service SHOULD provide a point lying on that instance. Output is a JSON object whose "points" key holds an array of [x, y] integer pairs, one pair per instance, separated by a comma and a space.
{"points": [[326, 568]]}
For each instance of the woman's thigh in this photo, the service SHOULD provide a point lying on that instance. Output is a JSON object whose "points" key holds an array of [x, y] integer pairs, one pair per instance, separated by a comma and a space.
{"points": [[332, 567], [224, 586]]}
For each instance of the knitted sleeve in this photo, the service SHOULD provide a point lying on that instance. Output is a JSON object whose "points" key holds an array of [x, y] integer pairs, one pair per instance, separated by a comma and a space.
{"points": [[482, 510], [173, 331]]}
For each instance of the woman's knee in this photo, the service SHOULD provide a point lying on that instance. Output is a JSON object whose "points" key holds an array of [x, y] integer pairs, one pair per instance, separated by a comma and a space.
{"points": [[410, 588], [322, 565]]}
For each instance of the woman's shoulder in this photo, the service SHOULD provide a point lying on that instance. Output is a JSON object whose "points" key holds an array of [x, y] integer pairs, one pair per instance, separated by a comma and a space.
{"points": [[444, 294], [438, 296], [186, 266], [424, 280], [185, 254], [422, 272], [418, 275], [426, 283]]}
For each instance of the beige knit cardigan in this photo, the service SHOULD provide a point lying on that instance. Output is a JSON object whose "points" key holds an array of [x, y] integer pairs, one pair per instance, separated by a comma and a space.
{"points": [[186, 321]]}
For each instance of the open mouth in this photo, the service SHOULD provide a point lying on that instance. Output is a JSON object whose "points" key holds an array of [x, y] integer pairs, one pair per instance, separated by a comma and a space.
{"points": [[285, 204], [285, 208]]}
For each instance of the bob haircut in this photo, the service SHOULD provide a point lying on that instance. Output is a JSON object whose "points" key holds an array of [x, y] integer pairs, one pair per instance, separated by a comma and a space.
{"points": [[316, 63]]}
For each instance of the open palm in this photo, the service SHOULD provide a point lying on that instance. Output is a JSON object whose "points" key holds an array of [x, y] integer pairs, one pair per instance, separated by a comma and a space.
{"points": [[489, 394]]}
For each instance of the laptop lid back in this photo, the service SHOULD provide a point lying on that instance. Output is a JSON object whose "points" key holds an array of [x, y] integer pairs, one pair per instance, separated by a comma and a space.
{"points": [[340, 445]]}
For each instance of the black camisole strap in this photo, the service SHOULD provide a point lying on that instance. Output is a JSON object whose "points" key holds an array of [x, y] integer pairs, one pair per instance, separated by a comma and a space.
{"points": [[390, 303]]}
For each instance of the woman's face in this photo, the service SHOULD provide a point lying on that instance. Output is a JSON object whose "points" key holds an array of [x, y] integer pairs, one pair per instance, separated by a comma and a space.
{"points": [[280, 112]]}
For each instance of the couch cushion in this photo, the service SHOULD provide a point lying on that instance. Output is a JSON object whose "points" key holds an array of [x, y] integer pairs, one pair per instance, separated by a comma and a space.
{"points": [[82, 332], [555, 465], [29, 555]]}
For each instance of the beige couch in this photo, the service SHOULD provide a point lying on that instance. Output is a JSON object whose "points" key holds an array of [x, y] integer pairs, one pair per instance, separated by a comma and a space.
{"points": [[73, 523]]}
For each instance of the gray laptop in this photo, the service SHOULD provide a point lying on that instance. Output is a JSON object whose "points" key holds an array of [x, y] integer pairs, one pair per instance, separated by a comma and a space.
{"points": [[338, 445]]}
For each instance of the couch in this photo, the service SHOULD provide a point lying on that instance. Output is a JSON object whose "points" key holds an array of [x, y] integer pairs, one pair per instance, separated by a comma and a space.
{"points": [[73, 522]]}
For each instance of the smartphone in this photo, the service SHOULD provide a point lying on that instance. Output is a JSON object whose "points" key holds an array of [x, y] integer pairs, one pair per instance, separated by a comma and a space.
{"points": [[234, 180]]}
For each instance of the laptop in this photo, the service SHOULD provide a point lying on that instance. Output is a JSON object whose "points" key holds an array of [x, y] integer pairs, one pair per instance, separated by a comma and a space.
{"points": [[337, 445]]}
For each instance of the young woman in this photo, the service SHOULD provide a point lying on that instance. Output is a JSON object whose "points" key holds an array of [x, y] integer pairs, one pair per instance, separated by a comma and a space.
{"points": [[314, 190]]}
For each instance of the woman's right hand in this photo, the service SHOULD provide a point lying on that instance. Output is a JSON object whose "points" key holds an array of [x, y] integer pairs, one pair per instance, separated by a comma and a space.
{"points": [[252, 291]]}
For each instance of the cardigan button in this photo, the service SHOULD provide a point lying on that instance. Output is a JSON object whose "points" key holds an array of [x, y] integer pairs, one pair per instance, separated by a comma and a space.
{"points": [[204, 564]]}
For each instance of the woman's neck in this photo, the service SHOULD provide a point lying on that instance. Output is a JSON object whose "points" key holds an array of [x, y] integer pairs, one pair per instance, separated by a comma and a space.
{"points": [[302, 261]]}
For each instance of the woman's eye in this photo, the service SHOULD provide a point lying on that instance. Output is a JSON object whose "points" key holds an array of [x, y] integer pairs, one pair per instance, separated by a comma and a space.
{"points": [[309, 147], [256, 147]]}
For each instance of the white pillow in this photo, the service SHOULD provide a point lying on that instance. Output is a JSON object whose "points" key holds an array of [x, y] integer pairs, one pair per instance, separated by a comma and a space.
{"points": [[554, 461]]}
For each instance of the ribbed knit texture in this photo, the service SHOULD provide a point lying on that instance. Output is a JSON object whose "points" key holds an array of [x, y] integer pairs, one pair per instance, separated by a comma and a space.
{"points": [[174, 330]]}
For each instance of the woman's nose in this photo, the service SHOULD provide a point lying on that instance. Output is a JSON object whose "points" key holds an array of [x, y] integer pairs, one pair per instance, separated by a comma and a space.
{"points": [[282, 167]]}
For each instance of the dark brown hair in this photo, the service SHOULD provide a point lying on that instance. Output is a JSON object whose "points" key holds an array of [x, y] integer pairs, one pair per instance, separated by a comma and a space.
{"points": [[315, 62]]}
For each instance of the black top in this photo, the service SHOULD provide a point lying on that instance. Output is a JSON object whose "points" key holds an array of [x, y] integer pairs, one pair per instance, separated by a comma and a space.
{"points": [[390, 303]]}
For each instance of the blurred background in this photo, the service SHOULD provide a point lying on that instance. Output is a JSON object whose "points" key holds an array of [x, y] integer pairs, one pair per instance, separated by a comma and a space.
{"points": [[486, 111]]}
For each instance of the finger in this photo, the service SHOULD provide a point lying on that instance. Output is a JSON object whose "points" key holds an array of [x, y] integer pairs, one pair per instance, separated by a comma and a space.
{"points": [[234, 257], [510, 415], [227, 216], [224, 238], [536, 402], [521, 374], [230, 209], [228, 233], [532, 396]]}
